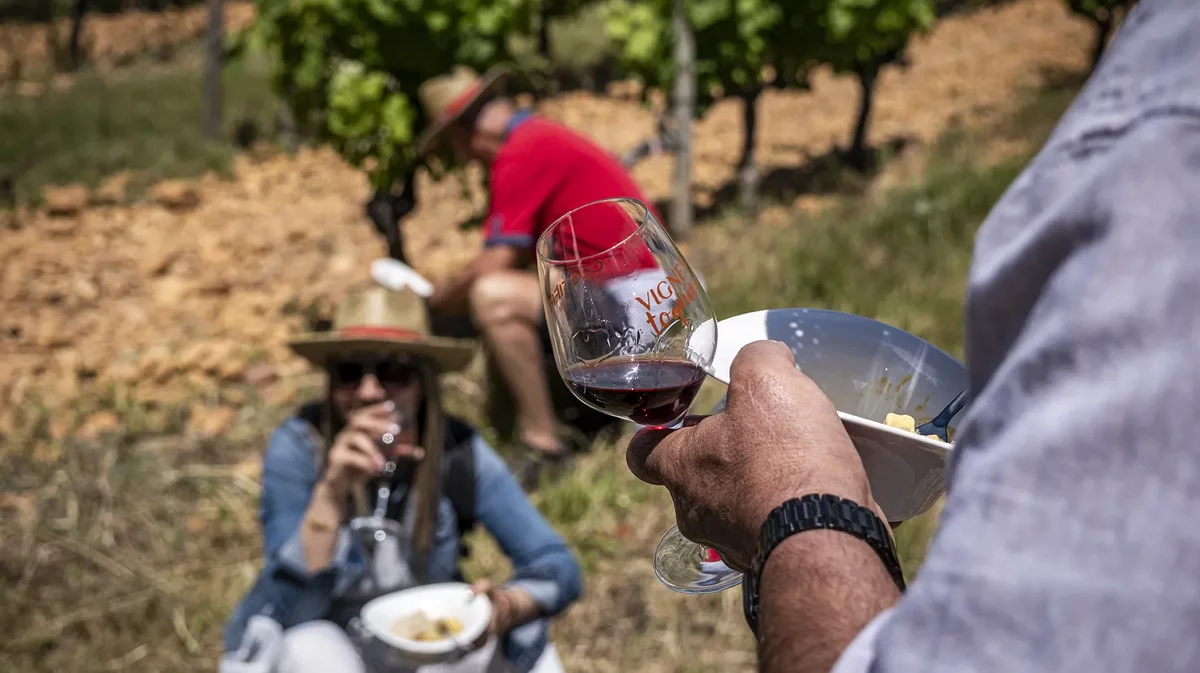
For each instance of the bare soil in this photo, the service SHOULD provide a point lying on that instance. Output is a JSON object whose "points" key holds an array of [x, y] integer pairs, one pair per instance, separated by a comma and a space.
{"points": [[173, 301]]}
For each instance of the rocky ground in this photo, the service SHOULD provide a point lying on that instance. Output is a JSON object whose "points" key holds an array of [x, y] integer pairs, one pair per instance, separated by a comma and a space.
{"points": [[201, 284]]}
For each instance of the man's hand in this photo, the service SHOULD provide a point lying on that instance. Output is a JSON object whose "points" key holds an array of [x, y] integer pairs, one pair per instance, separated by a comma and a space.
{"points": [[779, 437]]}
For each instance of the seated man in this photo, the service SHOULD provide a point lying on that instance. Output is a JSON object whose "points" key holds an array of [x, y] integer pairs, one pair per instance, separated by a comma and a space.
{"points": [[538, 171], [324, 467]]}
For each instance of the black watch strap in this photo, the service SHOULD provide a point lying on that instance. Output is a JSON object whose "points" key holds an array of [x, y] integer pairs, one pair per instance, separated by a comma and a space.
{"points": [[813, 512]]}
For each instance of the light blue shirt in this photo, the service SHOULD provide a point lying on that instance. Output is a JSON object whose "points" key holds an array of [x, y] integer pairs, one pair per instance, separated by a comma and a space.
{"points": [[1069, 540]]}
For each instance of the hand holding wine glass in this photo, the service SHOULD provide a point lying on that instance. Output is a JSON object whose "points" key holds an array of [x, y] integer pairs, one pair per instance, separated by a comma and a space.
{"points": [[778, 438], [362, 449], [633, 333]]}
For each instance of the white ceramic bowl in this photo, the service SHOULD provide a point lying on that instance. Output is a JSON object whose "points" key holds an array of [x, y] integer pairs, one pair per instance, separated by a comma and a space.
{"points": [[868, 369], [452, 599]]}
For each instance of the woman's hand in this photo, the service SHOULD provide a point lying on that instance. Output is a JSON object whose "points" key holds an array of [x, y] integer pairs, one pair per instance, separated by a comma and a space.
{"points": [[355, 456], [511, 607]]}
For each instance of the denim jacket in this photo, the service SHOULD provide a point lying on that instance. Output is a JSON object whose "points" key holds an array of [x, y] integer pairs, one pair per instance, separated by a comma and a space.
{"points": [[542, 562]]}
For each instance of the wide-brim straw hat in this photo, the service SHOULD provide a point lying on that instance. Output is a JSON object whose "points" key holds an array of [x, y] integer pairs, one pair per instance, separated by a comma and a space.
{"points": [[382, 321], [445, 98]]}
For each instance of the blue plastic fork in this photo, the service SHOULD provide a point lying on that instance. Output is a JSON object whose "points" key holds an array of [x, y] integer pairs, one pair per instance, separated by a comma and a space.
{"points": [[938, 425]]}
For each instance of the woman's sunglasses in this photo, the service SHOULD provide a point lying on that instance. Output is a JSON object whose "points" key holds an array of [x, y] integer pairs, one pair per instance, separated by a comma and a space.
{"points": [[388, 371]]}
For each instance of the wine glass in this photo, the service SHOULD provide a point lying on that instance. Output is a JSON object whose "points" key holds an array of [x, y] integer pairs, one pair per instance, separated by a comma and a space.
{"points": [[633, 333], [376, 527]]}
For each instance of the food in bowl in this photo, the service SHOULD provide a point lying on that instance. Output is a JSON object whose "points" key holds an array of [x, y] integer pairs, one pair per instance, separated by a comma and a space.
{"points": [[904, 422], [422, 628]]}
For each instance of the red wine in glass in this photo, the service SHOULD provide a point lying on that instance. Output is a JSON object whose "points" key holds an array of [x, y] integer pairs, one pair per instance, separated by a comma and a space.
{"points": [[633, 332], [649, 392]]}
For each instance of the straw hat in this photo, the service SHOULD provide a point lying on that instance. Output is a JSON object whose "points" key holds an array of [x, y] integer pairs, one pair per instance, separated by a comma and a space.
{"points": [[446, 97], [382, 321]]}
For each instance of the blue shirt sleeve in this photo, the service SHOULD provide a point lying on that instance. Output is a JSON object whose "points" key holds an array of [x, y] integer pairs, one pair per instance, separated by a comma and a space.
{"points": [[1065, 542], [542, 562], [288, 477], [290, 474]]}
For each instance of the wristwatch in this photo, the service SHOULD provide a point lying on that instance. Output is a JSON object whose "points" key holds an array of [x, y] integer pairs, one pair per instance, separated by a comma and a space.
{"points": [[809, 513]]}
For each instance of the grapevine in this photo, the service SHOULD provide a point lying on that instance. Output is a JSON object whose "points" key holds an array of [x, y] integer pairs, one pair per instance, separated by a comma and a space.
{"points": [[350, 69], [860, 37], [731, 40], [733, 49], [746, 45]]}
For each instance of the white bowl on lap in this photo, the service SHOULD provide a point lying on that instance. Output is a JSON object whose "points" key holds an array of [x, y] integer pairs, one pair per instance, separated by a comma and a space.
{"points": [[451, 599]]}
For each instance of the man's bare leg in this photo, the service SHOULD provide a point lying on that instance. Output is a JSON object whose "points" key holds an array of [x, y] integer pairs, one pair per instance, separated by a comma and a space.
{"points": [[507, 308]]}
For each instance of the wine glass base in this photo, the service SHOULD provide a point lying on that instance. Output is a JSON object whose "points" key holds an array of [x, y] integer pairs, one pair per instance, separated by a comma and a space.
{"points": [[682, 566]]}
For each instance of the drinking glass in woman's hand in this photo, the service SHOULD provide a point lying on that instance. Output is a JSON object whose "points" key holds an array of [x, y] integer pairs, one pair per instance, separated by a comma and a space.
{"points": [[364, 446], [395, 441]]}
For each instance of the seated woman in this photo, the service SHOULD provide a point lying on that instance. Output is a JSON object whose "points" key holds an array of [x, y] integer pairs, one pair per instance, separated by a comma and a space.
{"points": [[323, 468]]}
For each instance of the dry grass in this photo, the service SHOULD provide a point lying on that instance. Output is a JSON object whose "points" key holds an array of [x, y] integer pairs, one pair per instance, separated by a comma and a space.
{"points": [[127, 548], [627, 619]]}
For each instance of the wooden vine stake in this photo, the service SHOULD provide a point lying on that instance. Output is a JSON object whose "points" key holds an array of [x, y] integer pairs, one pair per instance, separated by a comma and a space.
{"points": [[214, 53], [685, 107]]}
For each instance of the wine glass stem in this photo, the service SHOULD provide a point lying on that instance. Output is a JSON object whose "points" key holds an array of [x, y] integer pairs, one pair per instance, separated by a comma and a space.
{"points": [[381, 500], [385, 489]]}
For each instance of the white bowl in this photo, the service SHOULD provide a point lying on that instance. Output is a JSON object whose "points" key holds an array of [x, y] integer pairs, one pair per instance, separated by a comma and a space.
{"points": [[452, 599], [868, 369]]}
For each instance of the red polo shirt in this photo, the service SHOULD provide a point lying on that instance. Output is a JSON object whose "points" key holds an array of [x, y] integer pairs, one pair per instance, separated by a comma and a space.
{"points": [[545, 170]]}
